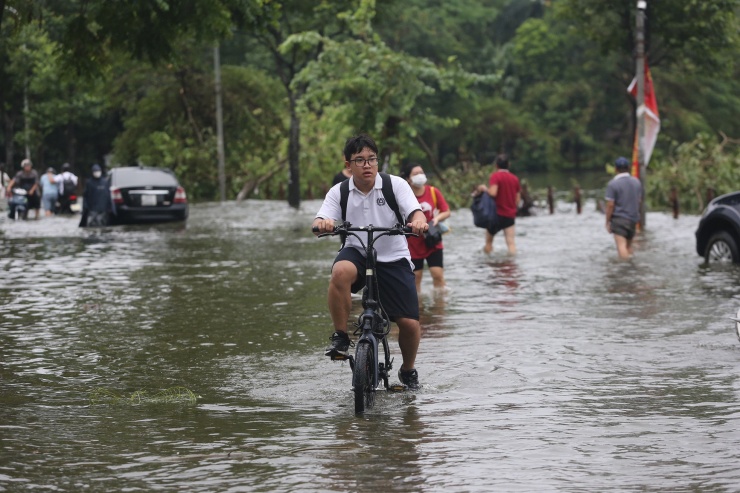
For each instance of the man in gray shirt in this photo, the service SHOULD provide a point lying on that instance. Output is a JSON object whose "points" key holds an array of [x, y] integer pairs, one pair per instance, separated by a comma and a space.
{"points": [[623, 200]]}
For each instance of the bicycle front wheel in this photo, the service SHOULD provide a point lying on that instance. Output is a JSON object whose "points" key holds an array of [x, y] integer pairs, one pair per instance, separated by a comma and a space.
{"points": [[363, 377]]}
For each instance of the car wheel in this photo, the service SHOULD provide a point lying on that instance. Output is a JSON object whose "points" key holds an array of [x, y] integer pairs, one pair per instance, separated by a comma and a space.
{"points": [[722, 248]]}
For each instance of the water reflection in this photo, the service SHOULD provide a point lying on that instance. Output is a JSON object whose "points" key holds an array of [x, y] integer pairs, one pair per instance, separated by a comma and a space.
{"points": [[369, 461], [558, 369]]}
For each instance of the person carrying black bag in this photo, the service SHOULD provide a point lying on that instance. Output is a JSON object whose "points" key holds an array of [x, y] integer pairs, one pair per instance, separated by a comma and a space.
{"points": [[95, 200], [505, 189]]}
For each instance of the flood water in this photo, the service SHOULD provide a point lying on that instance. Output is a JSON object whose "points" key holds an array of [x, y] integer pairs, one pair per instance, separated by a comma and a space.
{"points": [[561, 369]]}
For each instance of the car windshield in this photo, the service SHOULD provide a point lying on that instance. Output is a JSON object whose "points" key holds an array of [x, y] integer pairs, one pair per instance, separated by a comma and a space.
{"points": [[142, 177]]}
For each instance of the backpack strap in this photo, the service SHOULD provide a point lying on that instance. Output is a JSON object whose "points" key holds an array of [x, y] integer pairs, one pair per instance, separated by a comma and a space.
{"points": [[343, 197], [434, 197], [390, 197]]}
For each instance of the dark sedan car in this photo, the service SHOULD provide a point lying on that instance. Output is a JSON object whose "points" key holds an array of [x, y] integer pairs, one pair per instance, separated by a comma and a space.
{"points": [[718, 235], [142, 194]]}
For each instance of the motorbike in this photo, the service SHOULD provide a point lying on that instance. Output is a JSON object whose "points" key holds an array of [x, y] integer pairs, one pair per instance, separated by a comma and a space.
{"points": [[65, 203], [18, 204]]}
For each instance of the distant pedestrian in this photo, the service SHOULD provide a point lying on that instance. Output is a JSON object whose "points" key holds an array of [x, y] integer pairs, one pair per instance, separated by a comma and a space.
{"points": [[67, 182], [504, 187], [341, 176], [623, 203], [27, 179], [49, 192], [95, 200], [4, 180]]}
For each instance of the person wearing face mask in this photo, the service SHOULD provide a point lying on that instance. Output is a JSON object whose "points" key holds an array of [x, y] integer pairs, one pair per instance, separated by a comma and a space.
{"points": [[95, 200], [435, 208]]}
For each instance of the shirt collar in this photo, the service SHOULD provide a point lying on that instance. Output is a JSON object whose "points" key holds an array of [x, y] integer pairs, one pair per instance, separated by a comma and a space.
{"points": [[378, 182]]}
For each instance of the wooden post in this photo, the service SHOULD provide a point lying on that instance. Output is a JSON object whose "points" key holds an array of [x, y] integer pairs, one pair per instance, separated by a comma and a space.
{"points": [[577, 195], [674, 202], [550, 200]]}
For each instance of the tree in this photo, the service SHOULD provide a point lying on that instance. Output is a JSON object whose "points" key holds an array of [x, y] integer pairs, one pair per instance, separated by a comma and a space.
{"points": [[169, 120], [271, 25], [381, 91]]}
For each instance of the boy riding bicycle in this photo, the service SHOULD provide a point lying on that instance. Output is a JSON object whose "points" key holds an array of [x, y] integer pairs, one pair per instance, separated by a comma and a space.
{"points": [[366, 205]]}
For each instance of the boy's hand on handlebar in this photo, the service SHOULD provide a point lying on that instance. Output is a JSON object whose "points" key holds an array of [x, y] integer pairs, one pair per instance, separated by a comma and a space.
{"points": [[321, 226], [419, 226]]}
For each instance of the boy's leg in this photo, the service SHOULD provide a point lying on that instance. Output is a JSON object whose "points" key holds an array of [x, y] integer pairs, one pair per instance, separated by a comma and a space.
{"points": [[409, 335]]}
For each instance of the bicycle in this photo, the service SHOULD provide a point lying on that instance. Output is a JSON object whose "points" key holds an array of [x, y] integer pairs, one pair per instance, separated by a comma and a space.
{"points": [[373, 325]]}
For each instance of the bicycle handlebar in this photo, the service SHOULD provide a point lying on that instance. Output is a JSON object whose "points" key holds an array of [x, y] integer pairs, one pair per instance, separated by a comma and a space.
{"points": [[347, 227]]}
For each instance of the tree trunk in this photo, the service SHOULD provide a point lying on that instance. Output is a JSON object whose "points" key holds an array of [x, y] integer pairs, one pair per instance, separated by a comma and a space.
{"points": [[432, 156], [250, 186], [8, 129], [294, 149]]}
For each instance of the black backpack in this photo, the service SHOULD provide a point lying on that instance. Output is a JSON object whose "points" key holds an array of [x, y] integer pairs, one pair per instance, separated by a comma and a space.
{"points": [[390, 197], [68, 187]]}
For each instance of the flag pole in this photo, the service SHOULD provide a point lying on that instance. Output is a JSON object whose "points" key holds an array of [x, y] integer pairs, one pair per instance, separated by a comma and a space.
{"points": [[640, 56], [220, 154]]}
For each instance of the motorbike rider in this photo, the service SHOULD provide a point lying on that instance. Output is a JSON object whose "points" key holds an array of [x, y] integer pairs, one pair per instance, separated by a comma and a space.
{"points": [[27, 179]]}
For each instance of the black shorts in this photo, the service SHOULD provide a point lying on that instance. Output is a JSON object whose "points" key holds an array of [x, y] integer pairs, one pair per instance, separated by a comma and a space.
{"points": [[433, 260], [34, 201], [396, 282], [621, 226], [500, 224]]}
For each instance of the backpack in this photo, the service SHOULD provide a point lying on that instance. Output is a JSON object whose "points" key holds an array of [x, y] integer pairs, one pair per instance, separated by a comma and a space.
{"points": [[68, 187], [484, 210], [390, 197]]}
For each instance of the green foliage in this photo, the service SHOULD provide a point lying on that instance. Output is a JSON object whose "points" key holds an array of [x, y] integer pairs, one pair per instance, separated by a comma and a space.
{"points": [[381, 91], [693, 169], [443, 83], [173, 124], [693, 31], [459, 183]]}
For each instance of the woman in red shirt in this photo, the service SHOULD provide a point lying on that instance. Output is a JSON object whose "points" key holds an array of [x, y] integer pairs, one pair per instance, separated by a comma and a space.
{"points": [[435, 208]]}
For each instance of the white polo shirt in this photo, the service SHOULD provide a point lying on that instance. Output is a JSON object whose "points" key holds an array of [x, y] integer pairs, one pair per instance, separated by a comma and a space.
{"points": [[363, 210]]}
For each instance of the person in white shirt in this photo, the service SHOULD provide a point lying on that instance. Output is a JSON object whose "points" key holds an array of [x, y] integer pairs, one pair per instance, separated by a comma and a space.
{"points": [[367, 205]]}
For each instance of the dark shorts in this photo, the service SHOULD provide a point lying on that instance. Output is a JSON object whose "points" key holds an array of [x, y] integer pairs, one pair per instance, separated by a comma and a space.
{"points": [[435, 259], [621, 226], [34, 201], [501, 224], [396, 282]]}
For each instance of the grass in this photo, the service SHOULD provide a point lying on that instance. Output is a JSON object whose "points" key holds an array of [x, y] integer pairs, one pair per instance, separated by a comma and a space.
{"points": [[173, 395]]}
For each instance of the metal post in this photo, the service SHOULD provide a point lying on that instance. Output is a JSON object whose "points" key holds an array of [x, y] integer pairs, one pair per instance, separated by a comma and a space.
{"points": [[219, 125], [640, 56]]}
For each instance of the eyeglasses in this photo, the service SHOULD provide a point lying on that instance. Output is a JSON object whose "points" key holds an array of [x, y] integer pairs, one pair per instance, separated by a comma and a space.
{"points": [[360, 162]]}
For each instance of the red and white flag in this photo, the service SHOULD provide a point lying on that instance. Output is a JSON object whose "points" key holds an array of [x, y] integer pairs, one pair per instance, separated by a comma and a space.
{"points": [[652, 120]]}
